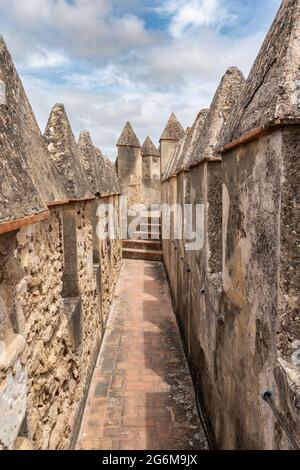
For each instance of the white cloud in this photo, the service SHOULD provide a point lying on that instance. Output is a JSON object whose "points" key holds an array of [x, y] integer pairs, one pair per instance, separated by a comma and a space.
{"points": [[103, 62], [83, 28], [195, 13], [46, 59]]}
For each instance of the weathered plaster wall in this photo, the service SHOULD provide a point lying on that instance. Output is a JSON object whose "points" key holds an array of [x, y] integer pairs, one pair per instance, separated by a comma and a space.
{"points": [[151, 192], [289, 331], [243, 294], [151, 186], [130, 173], [48, 342]]}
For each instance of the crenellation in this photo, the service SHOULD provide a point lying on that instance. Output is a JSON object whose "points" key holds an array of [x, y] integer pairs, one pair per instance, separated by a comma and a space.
{"points": [[233, 276], [52, 308], [238, 306]]}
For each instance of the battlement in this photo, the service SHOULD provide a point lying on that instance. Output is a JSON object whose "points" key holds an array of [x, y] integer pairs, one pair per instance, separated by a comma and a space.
{"points": [[233, 178]]}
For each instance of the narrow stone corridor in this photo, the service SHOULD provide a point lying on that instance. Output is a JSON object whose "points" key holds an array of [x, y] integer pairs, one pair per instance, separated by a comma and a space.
{"points": [[141, 396]]}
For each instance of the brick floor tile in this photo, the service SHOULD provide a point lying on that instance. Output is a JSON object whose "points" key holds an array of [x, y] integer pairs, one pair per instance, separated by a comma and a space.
{"points": [[133, 398], [101, 389]]}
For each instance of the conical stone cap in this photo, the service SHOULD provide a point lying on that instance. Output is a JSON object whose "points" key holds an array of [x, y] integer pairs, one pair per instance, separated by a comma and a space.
{"points": [[173, 129], [149, 149], [128, 137]]}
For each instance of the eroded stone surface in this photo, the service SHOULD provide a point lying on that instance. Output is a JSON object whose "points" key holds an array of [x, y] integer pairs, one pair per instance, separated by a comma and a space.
{"points": [[272, 90], [13, 402], [173, 129], [64, 154], [227, 94]]}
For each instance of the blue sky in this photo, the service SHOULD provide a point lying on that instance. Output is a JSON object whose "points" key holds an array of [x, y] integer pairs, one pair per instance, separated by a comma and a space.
{"points": [[110, 61]]}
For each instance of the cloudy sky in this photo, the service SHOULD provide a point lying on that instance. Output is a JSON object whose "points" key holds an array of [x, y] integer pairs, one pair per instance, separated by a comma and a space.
{"points": [[110, 61]]}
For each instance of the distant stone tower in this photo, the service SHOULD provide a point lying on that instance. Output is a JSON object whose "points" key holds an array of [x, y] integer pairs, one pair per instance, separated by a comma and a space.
{"points": [[151, 173], [172, 134], [129, 165]]}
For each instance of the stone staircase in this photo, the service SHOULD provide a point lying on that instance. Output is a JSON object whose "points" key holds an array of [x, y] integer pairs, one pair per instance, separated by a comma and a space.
{"points": [[146, 243]]}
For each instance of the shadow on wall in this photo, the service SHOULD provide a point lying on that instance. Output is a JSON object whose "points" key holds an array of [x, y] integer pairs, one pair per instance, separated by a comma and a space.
{"points": [[171, 410]]}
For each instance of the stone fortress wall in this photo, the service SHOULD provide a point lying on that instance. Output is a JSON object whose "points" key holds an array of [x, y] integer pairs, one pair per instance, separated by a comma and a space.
{"points": [[56, 277], [237, 298]]}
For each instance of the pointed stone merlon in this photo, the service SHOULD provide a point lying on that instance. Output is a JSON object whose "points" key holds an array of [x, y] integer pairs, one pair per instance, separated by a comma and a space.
{"points": [[172, 133], [226, 96], [272, 90], [194, 137], [29, 182], [64, 154], [90, 162], [130, 165]]}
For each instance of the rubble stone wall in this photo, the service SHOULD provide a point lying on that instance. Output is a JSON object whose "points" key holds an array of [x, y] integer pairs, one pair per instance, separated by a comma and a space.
{"points": [[49, 341]]}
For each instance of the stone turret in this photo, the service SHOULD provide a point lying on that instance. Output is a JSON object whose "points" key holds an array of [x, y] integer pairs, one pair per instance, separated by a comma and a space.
{"points": [[64, 154], [151, 160], [130, 165], [151, 173], [172, 134]]}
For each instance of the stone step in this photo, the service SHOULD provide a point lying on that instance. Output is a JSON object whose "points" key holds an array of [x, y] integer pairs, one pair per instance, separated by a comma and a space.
{"points": [[148, 255], [149, 220], [155, 228], [143, 244], [146, 236]]}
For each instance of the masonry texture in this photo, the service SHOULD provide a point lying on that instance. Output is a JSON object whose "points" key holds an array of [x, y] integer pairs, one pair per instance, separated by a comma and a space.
{"points": [[237, 298], [56, 277], [235, 293]]}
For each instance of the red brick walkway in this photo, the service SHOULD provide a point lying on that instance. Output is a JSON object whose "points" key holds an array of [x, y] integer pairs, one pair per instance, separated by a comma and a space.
{"points": [[141, 395]]}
